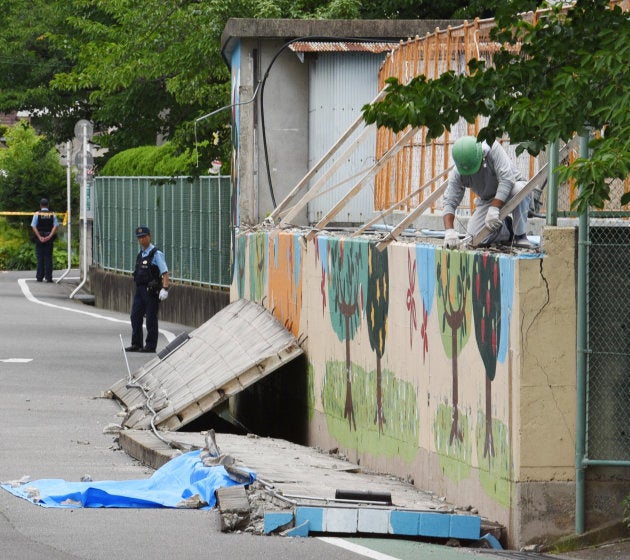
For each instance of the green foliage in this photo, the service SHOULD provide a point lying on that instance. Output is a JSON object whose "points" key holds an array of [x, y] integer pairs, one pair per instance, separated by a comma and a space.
{"points": [[17, 252], [151, 161], [140, 70], [569, 75], [30, 169]]}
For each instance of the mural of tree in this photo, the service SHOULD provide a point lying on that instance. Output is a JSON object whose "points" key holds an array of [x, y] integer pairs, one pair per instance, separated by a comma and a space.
{"points": [[376, 312], [454, 308], [239, 269], [258, 249], [346, 280], [487, 316], [425, 264]]}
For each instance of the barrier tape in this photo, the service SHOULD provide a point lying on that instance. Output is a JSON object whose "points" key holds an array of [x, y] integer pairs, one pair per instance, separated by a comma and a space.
{"points": [[64, 222]]}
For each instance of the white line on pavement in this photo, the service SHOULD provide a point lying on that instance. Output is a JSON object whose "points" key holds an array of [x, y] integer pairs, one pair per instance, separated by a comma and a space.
{"points": [[357, 548], [16, 360]]}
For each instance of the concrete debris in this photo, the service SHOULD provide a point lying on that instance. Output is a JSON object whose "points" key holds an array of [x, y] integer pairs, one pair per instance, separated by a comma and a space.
{"points": [[194, 502], [112, 428]]}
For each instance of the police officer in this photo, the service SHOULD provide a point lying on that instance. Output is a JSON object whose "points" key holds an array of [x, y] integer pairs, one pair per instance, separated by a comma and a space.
{"points": [[151, 278], [491, 175], [44, 224]]}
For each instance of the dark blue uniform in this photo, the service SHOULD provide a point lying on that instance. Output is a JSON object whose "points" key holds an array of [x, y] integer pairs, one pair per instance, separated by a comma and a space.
{"points": [[44, 250], [145, 301]]}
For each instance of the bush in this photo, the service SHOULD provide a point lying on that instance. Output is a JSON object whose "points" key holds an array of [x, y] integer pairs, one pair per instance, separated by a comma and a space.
{"points": [[149, 161], [17, 251]]}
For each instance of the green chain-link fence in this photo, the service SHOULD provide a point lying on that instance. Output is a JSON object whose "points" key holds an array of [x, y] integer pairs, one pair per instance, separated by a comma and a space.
{"points": [[190, 221], [608, 342]]}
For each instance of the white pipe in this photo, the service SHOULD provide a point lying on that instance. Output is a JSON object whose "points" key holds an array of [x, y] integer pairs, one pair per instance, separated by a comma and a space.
{"points": [[83, 211], [69, 205]]}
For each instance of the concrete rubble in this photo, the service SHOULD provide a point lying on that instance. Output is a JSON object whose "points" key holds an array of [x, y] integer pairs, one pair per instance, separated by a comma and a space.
{"points": [[296, 488]]}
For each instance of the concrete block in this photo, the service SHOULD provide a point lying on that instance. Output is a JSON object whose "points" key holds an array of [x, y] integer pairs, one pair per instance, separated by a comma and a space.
{"points": [[314, 515], [404, 522], [341, 520], [435, 525], [298, 531], [276, 520], [465, 527], [373, 521]]}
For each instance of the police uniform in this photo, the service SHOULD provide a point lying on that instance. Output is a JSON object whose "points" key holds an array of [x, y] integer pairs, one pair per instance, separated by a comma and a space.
{"points": [[150, 267], [44, 222]]}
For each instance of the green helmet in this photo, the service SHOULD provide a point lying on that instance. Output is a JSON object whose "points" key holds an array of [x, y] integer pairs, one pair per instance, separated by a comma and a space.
{"points": [[467, 153]]}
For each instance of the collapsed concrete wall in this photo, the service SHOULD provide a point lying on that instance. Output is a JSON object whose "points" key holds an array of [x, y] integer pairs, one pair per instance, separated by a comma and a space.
{"points": [[453, 369]]}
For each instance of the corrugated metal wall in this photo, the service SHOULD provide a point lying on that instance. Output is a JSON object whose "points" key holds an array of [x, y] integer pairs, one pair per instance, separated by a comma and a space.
{"points": [[340, 84]]}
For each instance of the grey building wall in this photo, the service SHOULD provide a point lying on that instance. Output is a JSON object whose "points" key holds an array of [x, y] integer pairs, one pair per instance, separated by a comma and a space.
{"points": [[248, 46]]}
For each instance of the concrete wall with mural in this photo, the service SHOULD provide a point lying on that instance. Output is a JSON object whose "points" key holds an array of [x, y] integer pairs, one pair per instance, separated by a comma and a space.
{"points": [[453, 369]]}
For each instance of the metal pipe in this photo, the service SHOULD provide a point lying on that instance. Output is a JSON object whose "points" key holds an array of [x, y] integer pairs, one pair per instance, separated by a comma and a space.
{"points": [[582, 358], [84, 264], [604, 463], [552, 190], [69, 208]]}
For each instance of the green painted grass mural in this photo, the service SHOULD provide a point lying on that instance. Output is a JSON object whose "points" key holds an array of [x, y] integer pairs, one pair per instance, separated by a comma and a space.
{"points": [[401, 418], [454, 456], [495, 472]]}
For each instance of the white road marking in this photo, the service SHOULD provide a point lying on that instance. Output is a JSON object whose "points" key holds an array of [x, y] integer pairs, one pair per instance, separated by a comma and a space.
{"points": [[28, 295], [357, 548], [16, 360]]}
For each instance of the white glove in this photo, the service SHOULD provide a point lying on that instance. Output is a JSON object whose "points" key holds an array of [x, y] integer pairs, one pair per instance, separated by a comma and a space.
{"points": [[451, 239], [493, 222], [163, 294]]}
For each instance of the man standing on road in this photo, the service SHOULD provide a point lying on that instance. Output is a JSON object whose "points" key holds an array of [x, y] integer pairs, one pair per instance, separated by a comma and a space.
{"points": [[491, 175], [151, 278], [44, 224]]}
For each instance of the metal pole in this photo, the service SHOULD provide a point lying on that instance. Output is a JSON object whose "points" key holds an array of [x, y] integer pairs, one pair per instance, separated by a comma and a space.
{"points": [[69, 206], [552, 191], [84, 265], [582, 357]]}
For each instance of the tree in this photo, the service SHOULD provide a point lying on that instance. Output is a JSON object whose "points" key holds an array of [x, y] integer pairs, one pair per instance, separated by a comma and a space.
{"points": [[346, 293], [377, 306], [140, 70], [486, 304], [570, 74], [453, 272], [30, 170]]}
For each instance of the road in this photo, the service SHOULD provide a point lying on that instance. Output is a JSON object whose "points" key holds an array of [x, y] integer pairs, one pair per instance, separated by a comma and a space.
{"points": [[57, 358]]}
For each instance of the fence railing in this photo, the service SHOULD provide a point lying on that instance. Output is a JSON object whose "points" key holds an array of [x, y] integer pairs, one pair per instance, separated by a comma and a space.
{"points": [[190, 221]]}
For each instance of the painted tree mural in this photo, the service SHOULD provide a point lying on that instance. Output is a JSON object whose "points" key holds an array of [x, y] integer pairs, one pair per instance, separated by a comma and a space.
{"points": [[425, 265], [454, 308], [258, 250], [347, 279], [239, 269], [285, 280], [376, 309], [487, 316]]}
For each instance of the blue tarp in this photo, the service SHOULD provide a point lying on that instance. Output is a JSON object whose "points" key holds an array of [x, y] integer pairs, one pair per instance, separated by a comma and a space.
{"points": [[181, 478]]}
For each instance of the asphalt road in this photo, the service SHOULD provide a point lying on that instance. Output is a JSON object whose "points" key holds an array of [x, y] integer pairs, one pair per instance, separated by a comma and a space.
{"points": [[57, 358]]}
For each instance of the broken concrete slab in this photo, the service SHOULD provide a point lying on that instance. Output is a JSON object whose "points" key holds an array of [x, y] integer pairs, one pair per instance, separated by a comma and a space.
{"points": [[291, 476], [238, 346]]}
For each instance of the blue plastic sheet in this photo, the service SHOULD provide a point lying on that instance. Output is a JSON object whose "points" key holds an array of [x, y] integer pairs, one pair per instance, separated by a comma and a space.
{"points": [[180, 479]]}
